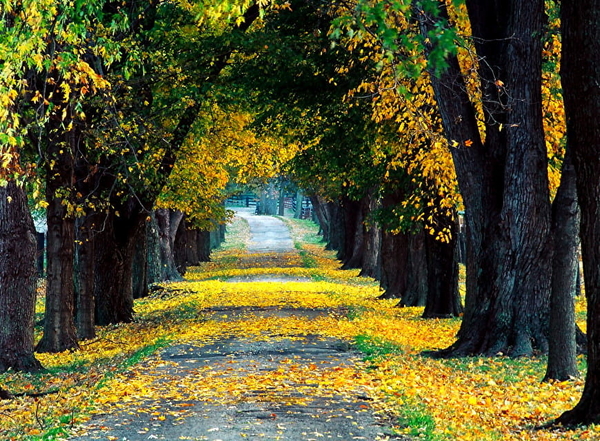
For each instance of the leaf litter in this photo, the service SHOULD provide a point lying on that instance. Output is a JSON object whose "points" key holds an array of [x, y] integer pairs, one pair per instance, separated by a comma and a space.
{"points": [[468, 399]]}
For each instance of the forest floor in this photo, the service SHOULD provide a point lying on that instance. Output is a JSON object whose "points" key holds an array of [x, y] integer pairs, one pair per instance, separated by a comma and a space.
{"points": [[279, 343]]}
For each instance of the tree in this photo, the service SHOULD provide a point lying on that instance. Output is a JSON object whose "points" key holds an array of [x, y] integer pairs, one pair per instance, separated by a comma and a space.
{"points": [[353, 151], [580, 71], [133, 175], [71, 52], [59, 326], [18, 280], [562, 348], [502, 177], [46, 79], [469, 103]]}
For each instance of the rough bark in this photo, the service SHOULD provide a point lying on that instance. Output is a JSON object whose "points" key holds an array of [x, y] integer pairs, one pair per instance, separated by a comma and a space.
{"points": [[18, 277], [153, 261], [562, 348], [321, 212], [394, 254], [115, 250], [139, 281], [354, 233], [281, 198], [186, 246], [59, 326], [41, 253], [416, 271], [394, 261], [443, 299], [580, 78], [168, 223], [84, 284], [204, 245], [371, 264], [192, 246], [336, 226], [183, 247], [503, 182]]}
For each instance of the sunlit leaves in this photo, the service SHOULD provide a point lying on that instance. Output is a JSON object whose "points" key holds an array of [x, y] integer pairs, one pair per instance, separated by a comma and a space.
{"points": [[223, 148]]}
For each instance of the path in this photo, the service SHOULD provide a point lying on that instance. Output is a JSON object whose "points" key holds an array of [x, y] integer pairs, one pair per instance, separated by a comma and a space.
{"points": [[267, 234], [302, 410]]}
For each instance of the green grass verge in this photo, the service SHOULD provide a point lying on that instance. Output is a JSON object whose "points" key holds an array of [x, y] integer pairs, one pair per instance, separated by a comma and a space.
{"points": [[303, 231], [374, 348], [238, 235], [417, 422]]}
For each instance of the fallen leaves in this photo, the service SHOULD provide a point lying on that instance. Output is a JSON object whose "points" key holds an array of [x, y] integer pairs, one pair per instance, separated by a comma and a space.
{"points": [[465, 399]]}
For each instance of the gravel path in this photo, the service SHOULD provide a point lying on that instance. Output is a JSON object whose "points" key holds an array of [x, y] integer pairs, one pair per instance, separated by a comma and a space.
{"points": [[301, 411], [267, 234]]}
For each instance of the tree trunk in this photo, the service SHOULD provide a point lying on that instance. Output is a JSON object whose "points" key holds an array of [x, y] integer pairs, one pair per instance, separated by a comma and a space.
{"points": [[215, 237], [59, 326], [168, 223], [181, 247], [186, 246], [153, 260], [192, 246], [394, 261], [18, 277], [281, 201], [354, 233], [268, 200], [580, 78], [562, 348], [222, 231], [416, 271], [41, 253], [299, 199], [115, 250], [336, 227], [443, 299], [204, 245], [371, 266], [140, 267], [503, 182], [84, 287], [322, 214]]}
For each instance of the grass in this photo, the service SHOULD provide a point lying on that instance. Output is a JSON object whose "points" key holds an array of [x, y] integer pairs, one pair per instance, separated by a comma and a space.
{"points": [[304, 231], [375, 348], [308, 261], [417, 422], [238, 235], [355, 312]]}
